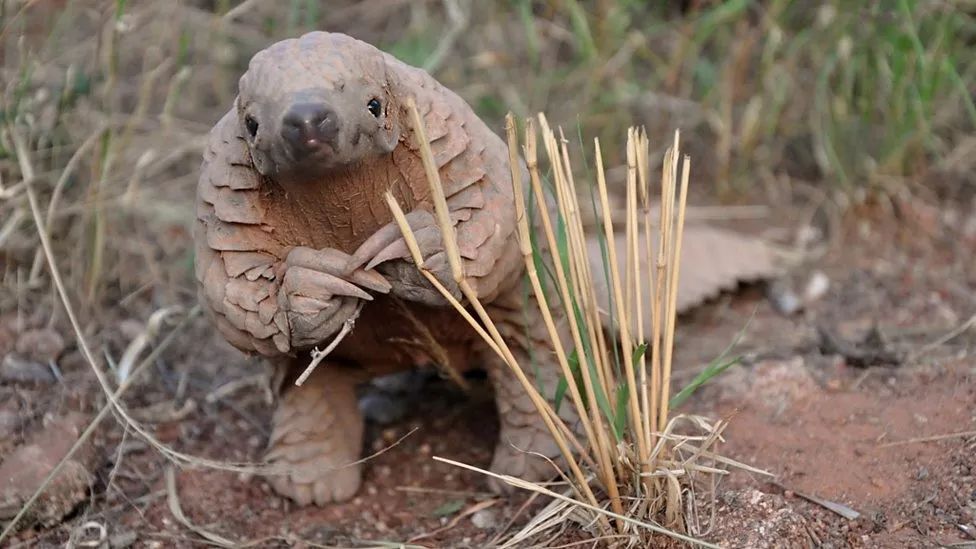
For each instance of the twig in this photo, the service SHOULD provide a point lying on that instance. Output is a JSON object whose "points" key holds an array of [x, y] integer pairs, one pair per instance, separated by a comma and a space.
{"points": [[944, 339], [233, 386], [838, 508], [933, 438], [141, 341], [173, 500], [472, 509], [318, 356], [518, 513], [459, 21], [240, 9], [554, 423]]}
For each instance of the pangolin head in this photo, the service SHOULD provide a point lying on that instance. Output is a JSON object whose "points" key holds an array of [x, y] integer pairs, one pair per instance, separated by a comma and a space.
{"points": [[310, 105]]}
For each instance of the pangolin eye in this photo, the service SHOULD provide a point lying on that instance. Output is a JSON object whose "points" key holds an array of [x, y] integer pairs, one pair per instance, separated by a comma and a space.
{"points": [[251, 124], [375, 107]]}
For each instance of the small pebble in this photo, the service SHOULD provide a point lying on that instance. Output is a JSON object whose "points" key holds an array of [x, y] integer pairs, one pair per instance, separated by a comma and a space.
{"points": [[784, 299], [17, 369], [816, 287], [40, 345], [484, 519]]}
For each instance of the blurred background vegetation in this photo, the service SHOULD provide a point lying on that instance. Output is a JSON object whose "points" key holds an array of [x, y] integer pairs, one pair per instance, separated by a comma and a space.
{"points": [[845, 95]]}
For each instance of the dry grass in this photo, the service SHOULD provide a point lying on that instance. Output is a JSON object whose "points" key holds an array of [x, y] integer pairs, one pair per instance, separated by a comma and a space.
{"points": [[639, 470]]}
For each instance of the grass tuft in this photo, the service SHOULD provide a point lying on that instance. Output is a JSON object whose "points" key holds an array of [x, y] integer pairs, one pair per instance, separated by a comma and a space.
{"points": [[639, 467]]}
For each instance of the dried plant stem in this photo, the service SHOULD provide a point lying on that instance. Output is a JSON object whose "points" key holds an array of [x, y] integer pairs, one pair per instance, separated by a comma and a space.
{"points": [[602, 457], [318, 356], [623, 324], [552, 420], [555, 425], [418, 259], [675, 260], [580, 278], [603, 445], [661, 290], [649, 395]]}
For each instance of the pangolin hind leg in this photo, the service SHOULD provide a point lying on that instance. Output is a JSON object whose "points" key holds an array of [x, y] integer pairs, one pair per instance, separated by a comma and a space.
{"points": [[317, 435], [523, 434]]}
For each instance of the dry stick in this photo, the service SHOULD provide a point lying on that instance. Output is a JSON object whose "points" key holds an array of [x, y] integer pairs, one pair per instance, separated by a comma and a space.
{"points": [[579, 282], [635, 294], [454, 259], [96, 421], [28, 173], [673, 288], [571, 285], [659, 289], [559, 154], [318, 356], [519, 483], [603, 447], [525, 246], [579, 263], [622, 320], [173, 501], [591, 305], [934, 438], [943, 340], [632, 290], [663, 280], [651, 404], [418, 259], [531, 159], [633, 238], [59, 187], [639, 193]]}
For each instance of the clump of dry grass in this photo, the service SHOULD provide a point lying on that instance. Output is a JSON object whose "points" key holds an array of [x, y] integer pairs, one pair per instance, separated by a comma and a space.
{"points": [[639, 469]]}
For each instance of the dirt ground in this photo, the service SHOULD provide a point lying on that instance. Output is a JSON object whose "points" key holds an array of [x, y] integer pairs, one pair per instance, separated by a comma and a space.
{"points": [[884, 427]]}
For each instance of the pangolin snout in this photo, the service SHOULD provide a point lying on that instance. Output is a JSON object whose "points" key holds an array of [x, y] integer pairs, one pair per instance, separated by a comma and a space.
{"points": [[307, 126]]}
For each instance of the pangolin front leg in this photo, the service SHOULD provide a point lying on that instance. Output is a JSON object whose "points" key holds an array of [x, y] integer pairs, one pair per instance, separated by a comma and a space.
{"points": [[317, 436]]}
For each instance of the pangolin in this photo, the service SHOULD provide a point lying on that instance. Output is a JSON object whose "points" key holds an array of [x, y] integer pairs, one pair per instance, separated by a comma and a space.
{"points": [[293, 238]]}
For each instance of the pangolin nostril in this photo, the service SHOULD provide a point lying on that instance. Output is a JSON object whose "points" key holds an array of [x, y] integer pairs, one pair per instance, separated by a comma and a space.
{"points": [[307, 124]]}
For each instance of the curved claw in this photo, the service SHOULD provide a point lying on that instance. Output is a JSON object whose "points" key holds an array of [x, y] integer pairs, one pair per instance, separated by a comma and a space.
{"points": [[333, 262], [429, 240], [319, 285], [387, 235]]}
